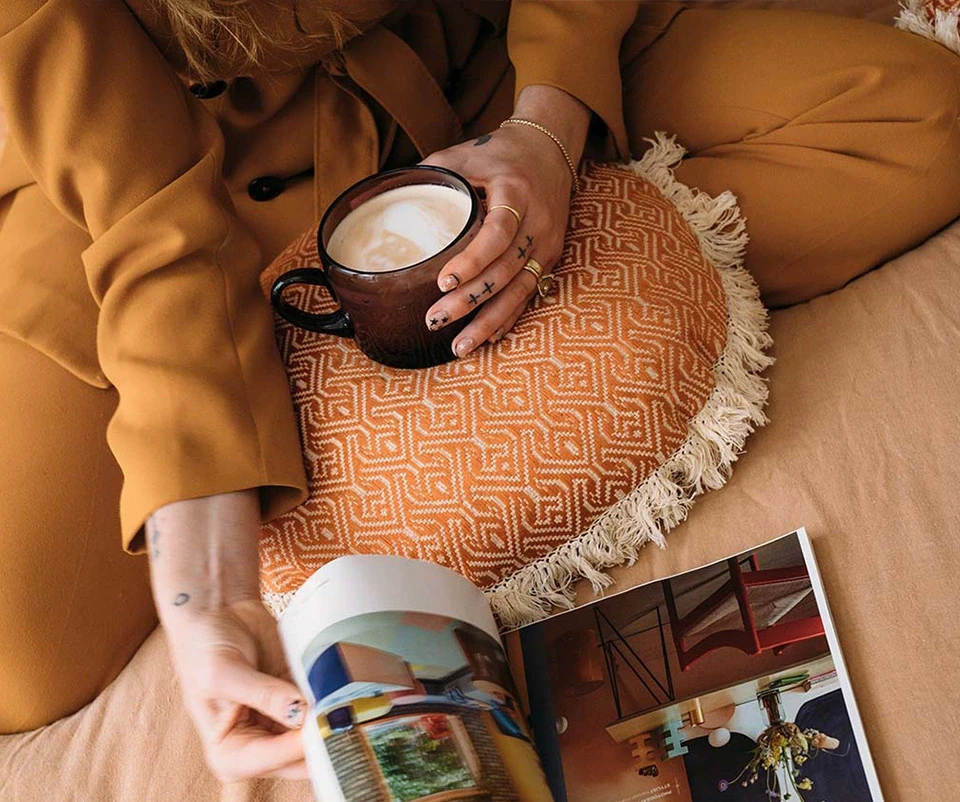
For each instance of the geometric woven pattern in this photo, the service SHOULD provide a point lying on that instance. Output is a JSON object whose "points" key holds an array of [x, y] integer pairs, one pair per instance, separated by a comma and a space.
{"points": [[488, 463]]}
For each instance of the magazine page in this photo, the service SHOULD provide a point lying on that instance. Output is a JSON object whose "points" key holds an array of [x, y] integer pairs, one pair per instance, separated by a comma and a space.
{"points": [[721, 684], [410, 691]]}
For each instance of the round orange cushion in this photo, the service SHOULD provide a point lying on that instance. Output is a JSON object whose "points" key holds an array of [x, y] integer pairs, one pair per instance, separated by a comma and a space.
{"points": [[562, 448]]}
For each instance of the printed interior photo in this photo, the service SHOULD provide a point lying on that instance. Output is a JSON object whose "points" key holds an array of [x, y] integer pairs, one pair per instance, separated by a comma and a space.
{"points": [[717, 685], [416, 706]]}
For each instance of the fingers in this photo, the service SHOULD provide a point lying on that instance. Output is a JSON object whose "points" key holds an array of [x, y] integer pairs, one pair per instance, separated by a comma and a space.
{"points": [[527, 210], [509, 320], [295, 771], [250, 752], [251, 743], [471, 294], [501, 292], [498, 315], [500, 228], [235, 680]]}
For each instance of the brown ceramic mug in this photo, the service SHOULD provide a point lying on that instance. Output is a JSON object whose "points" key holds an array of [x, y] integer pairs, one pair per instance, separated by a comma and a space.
{"points": [[385, 310]]}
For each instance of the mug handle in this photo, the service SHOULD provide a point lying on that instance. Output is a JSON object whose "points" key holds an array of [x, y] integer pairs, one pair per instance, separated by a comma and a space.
{"points": [[337, 322]]}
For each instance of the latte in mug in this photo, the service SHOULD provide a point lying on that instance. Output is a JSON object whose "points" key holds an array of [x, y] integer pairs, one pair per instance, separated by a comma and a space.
{"points": [[382, 244], [400, 227]]}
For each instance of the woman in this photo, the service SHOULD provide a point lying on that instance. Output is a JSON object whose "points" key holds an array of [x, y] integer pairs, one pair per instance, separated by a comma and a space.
{"points": [[138, 207]]}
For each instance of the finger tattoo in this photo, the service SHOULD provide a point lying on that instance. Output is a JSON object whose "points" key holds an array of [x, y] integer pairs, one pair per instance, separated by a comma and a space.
{"points": [[438, 321], [482, 140], [473, 300], [181, 599], [522, 249], [488, 288]]}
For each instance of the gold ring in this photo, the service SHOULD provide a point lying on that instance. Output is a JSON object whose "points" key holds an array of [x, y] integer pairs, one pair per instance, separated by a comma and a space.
{"points": [[544, 282], [533, 266], [510, 209]]}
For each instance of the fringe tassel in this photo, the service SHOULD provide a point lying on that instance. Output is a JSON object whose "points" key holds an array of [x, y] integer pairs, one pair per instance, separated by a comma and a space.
{"points": [[941, 25], [276, 603], [716, 436]]}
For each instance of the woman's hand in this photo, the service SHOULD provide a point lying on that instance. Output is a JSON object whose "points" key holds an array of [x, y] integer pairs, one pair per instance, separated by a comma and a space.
{"points": [[518, 167], [224, 643], [237, 690]]}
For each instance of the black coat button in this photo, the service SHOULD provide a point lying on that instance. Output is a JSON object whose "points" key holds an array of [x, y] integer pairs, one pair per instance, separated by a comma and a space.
{"points": [[266, 188], [209, 91]]}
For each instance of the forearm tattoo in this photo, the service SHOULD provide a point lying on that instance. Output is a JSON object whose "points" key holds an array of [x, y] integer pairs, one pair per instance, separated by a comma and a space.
{"points": [[153, 539]]}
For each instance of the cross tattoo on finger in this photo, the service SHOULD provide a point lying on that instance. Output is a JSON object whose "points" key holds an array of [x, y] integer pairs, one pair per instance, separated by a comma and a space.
{"points": [[522, 249]]}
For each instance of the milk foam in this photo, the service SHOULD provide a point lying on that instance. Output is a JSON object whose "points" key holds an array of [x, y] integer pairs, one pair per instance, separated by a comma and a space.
{"points": [[400, 227]]}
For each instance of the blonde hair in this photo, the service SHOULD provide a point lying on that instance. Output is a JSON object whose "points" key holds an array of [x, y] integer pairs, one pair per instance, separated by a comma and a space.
{"points": [[217, 32]]}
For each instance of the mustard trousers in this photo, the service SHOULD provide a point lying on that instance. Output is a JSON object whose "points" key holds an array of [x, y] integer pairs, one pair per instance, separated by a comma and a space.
{"points": [[839, 137]]}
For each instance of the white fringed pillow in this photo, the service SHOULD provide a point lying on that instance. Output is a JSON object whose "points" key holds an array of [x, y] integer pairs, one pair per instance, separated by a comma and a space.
{"points": [[562, 449], [935, 19]]}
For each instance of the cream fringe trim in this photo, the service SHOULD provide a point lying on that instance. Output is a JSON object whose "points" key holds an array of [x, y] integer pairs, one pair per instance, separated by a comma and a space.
{"points": [[716, 435], [941, 27]]}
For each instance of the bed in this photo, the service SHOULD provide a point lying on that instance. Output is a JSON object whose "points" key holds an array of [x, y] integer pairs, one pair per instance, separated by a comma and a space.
{"points": [[862, 449]]}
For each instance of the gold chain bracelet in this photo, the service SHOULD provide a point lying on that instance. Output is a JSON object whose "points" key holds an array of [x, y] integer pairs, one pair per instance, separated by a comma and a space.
{"points": [[557, 142]]}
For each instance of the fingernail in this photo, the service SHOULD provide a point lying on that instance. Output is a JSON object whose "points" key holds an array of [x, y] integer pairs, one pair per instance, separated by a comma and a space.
{"points": [[295, 713], [437, 320], [449, 282], [463, 347]]}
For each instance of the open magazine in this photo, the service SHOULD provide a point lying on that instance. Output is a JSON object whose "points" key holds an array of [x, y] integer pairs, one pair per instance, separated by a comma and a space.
{"points": [[722, 683]]}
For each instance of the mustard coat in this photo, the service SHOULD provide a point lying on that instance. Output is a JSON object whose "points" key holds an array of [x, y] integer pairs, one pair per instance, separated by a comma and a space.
{"points": [[131, 237]]}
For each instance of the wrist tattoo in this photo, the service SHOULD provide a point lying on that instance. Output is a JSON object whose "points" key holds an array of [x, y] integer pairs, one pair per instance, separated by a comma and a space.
{"points": [[153, 538], [181, 599], [482, 140]]}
